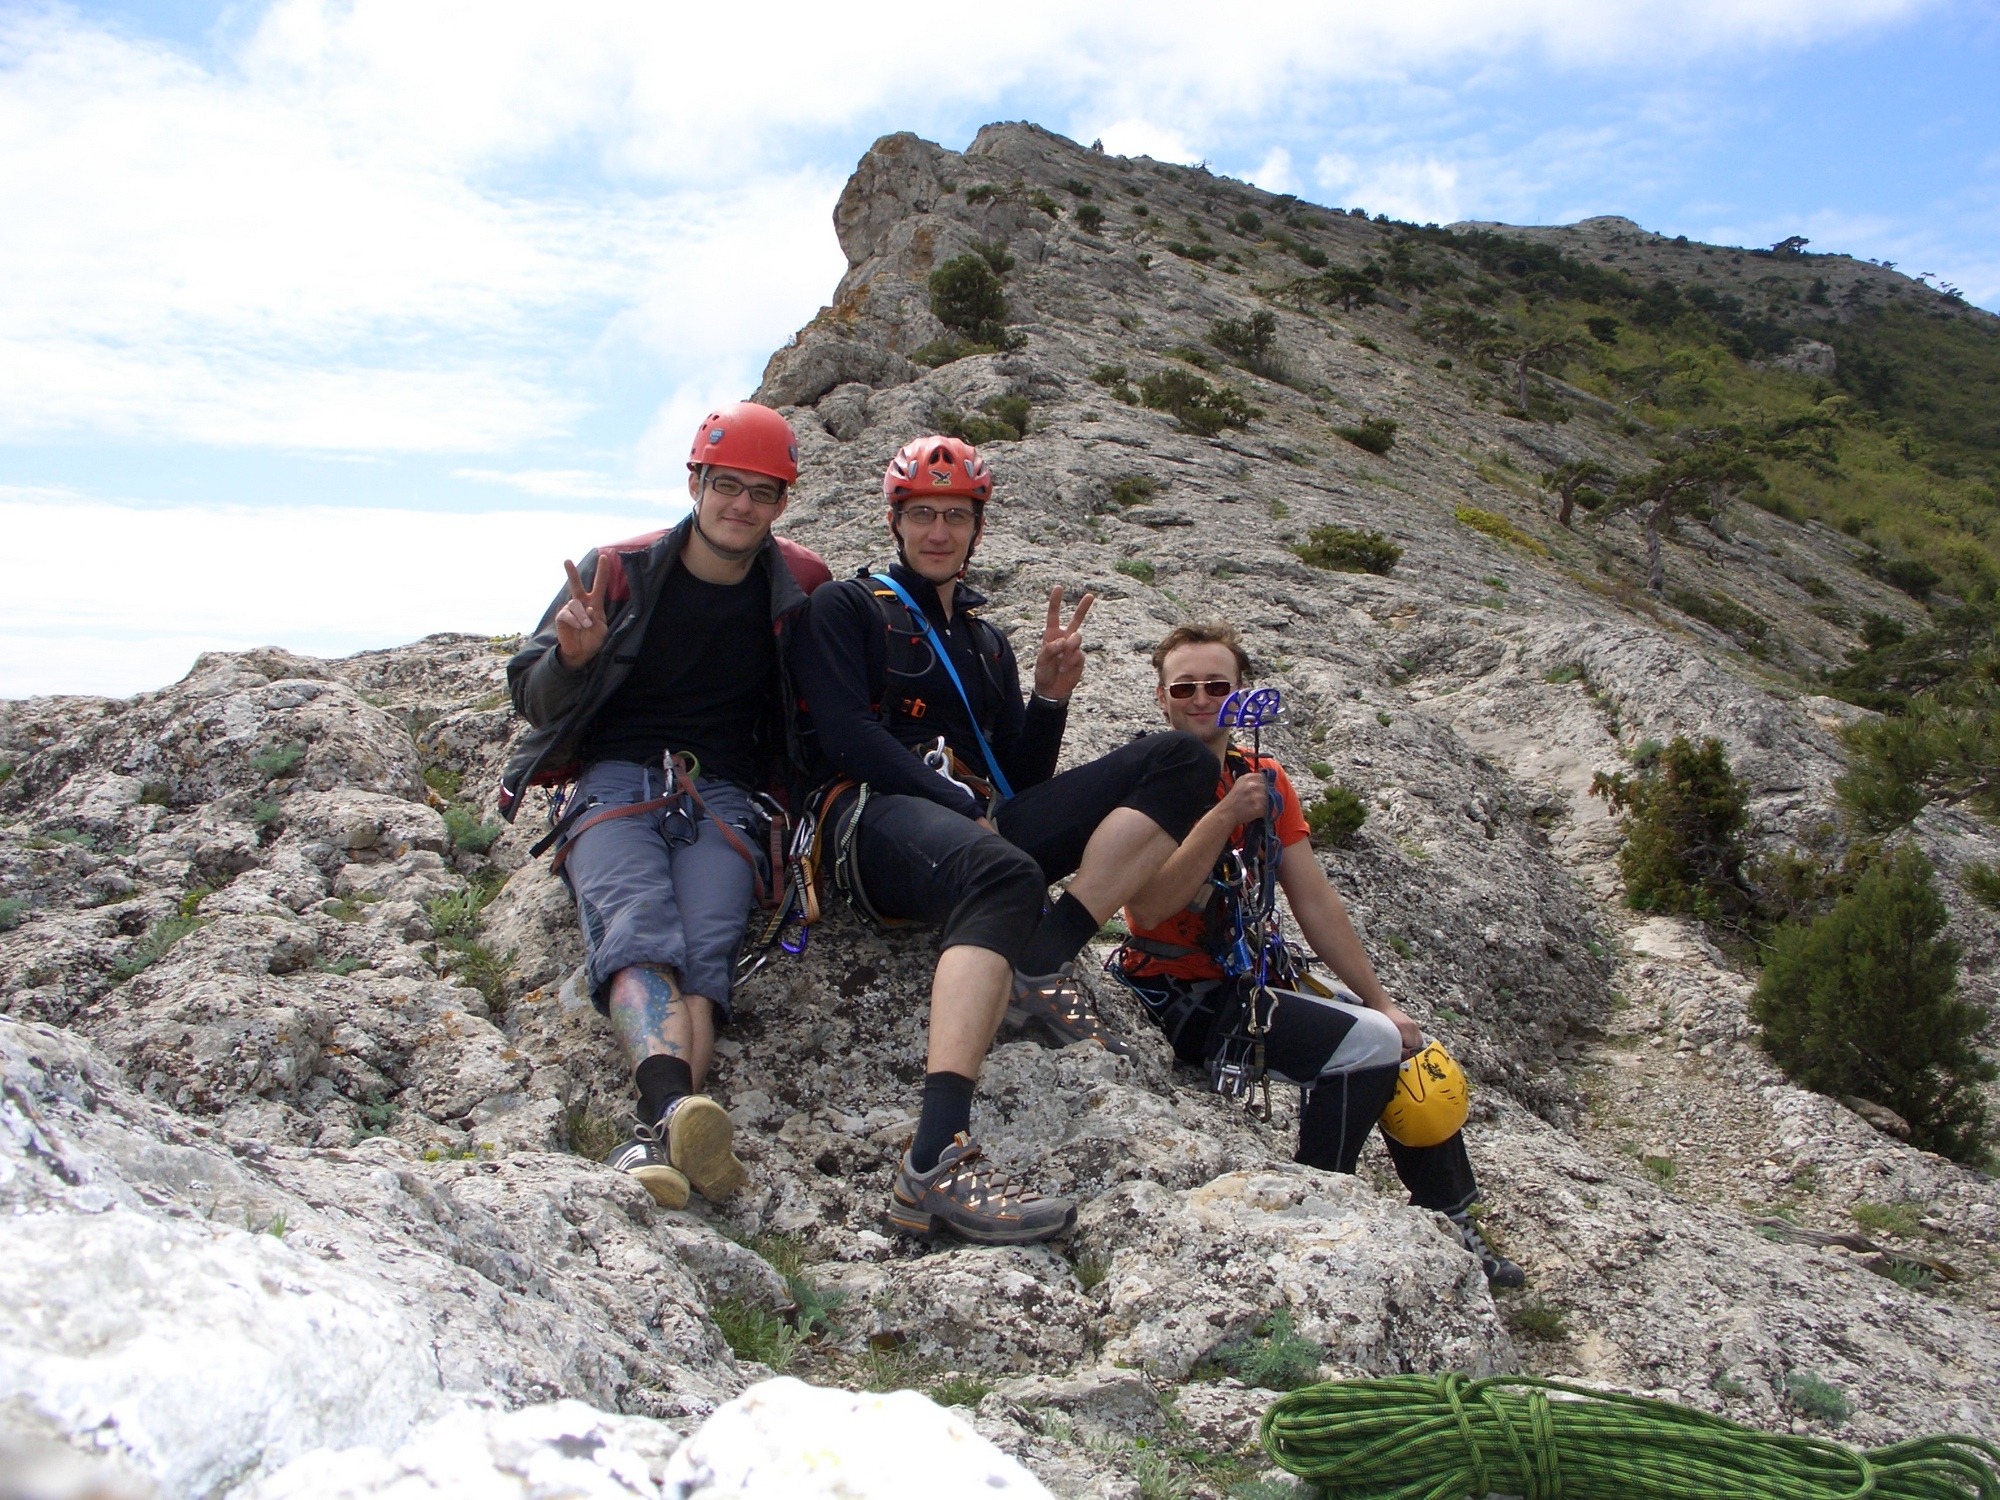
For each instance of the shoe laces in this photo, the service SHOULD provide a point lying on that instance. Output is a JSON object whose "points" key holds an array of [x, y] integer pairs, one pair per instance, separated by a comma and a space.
{"points": [[1070, 1000], [985, 1185], [652, 1135]]}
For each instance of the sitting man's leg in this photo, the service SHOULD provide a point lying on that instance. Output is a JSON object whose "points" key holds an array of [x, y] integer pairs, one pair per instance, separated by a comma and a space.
{"points": [[920, 862], [1347, 1058], [1113, 822]]}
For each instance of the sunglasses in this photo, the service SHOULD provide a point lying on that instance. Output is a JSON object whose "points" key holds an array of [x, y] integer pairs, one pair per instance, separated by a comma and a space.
{"points": [[1215, 687]]}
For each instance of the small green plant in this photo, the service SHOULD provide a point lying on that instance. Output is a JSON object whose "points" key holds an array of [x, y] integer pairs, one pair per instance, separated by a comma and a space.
{"points": [[1898, 1219], [1567, 672], [1400, 944], [1005, 421], [1042, 201], [1493, 524], [589, 1135], [966, 296], [1200, 254], [1136, 567], [1375, 435], [1091, 1269], [191, 902], [458, 914], [1660, 1168], [264, 814], [1248, 341], [12, 908], [1383, 719], [1982, 883], [1685, 816], [468, 831], [64, 838], [960, 1390], [1194, 403], [156, 794], [350, 908], [1134, 489], [1911, 1275], [1539, 1320], [6, 772], [153, 947], [341, 966], [1110, 375], [482, 968], [1089, 218], [753, 1333], [1320, 768], [1340, 549], [1730, 1386], [275, 761], [1817, 1399], [376, 1115], [1189, 354], [1865, 1001], [446, 782], [1336, 817], [1272, 1358], [1076, 187]]}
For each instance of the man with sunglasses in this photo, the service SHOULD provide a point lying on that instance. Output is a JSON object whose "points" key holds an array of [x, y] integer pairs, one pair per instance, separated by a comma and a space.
{"points": [[658, 679], [941, 805], [1345, 1052]]}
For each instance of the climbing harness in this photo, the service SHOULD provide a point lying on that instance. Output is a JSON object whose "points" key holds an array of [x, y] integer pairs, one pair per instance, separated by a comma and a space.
{"points": [[1420, 1437], [1254, 944], [939, 759]]}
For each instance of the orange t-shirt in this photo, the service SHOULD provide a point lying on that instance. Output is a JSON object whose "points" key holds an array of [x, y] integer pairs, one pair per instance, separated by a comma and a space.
{"points": [[1189, 928]]}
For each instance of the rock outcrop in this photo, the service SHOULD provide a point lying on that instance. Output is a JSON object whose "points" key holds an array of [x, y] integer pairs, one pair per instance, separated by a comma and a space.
{"points": [[295, 1138]]}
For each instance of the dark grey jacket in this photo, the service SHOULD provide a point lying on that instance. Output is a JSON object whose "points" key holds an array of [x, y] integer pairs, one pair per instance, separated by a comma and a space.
{"points": [[561, 705]]}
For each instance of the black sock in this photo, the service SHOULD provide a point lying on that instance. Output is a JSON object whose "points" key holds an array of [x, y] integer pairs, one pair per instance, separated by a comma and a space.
{"points": [[947, 1110], [1065, 928], [661, 1080]]}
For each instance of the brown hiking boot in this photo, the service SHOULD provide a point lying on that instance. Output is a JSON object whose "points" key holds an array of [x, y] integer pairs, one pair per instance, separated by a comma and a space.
{"points": [[644, 1157], [1063, 1007], [974, 1200], [700, 1143]]}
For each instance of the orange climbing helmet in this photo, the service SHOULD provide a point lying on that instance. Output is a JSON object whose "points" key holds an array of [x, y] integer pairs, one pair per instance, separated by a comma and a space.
{"points": [[937, 465], [1430, 1103], [744, 435]]}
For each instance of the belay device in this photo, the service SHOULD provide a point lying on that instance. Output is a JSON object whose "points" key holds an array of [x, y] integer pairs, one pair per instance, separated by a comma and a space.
{"points": [[1254, 947]]}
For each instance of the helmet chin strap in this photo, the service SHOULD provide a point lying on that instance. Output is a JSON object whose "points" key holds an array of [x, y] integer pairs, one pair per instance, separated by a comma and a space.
{"points": [[727, 554]]}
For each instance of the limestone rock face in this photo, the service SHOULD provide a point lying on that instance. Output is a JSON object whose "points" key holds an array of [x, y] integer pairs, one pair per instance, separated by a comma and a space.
{"points": [[298, 1139]]}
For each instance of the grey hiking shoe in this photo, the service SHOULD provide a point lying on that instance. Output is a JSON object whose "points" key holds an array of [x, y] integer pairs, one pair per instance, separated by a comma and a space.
{"points": [[1063, 1008], [700, 1143], [974, 1200], [645, 1157], [1500, 1271]]}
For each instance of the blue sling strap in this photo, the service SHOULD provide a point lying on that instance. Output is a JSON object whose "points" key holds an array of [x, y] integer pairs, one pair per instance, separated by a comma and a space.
{"points": [[943, 655]]}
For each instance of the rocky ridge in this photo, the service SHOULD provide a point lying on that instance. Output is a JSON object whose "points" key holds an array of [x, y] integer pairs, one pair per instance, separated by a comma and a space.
{"points": [[270, 1117]]}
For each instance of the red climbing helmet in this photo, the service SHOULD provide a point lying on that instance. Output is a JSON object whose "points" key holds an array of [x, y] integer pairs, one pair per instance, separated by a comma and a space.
{"points": [[744, 435], [937, 465]]}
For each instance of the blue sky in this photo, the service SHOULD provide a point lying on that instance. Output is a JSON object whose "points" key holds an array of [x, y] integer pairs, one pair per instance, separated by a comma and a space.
{"points": [[340, 281]]}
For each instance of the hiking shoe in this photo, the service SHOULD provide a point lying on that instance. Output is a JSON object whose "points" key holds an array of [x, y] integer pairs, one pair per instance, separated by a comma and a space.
{"points": [[975, 1200], [1063, 1008], [1500, 1271], [645, 1157], [699, 1134]]}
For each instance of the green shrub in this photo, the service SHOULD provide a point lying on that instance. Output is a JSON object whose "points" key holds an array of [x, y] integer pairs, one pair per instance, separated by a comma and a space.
{"points": [[446, 782], [156, 794], [1134, 489], [1201, 254], [264, 814], [980, 192], [1375, 435], [1136, 567], [1194, 403], [1897, 1219], [1539, 1320], [1341, 550], [966, 296], [1932, 750], [274, 761], [1273, 1358], [1912, 575], [12, 908], [1247, 222], [1110, 375], [1982, 883], [1685, 815], [1336, 817], [949, 348], [1089, 218], [1816, 1398], [1248, 340], [753, 1333], [1076, 187], [1042, 201], [1567, 672], [153, 947], [1865, 1001], [468, 832], [1188, 354], [1493, 524]]}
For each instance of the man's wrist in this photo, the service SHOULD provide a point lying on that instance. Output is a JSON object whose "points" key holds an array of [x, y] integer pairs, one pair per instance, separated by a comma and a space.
{"points": [[1038, 696]]}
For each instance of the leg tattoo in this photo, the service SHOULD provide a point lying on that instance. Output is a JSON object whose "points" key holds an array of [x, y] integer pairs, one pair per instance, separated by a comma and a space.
{"points": [[645, 1004]]}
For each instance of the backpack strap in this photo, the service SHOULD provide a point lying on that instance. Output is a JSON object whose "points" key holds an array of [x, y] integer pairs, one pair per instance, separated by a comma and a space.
{"points": [[937, 645]]}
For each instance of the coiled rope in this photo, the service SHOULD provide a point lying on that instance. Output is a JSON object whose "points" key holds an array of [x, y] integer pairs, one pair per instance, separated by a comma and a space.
{"points": [[1444, 1437]]}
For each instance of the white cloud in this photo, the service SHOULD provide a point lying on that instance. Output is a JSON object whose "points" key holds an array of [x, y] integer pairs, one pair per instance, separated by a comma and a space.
{"points": [[167, 583], [572, 484], [1275, 175]]}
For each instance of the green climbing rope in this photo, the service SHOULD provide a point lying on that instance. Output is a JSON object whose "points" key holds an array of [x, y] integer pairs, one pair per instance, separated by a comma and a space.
{"points": [[1421, 1437]]}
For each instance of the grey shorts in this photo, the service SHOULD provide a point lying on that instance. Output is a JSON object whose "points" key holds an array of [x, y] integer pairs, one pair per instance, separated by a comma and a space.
{"points": [[662, 887]]}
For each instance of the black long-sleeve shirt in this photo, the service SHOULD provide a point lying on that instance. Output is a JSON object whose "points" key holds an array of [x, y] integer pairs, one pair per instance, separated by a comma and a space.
{"points": [[841, 669]]}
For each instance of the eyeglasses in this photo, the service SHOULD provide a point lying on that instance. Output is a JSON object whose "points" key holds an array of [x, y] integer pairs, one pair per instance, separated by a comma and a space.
{"points": [[731, 488], [957, 517], [1215, 687]]}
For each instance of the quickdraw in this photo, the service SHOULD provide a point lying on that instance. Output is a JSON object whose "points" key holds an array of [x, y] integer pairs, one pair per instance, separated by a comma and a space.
{"points": [[1255, 947]]}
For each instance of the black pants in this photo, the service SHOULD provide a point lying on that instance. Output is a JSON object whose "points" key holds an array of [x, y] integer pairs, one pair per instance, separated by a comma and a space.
{"points": [[1342, 1056], [918, 861]]}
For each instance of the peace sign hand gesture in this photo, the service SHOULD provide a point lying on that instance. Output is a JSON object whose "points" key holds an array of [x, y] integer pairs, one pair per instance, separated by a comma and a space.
{"points": [[1059, 664], [580, 622]]}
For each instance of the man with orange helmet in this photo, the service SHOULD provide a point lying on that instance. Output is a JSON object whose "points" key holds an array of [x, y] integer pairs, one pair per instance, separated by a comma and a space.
{"points": [[1346, 1053], [943, 806], [658, 679]]}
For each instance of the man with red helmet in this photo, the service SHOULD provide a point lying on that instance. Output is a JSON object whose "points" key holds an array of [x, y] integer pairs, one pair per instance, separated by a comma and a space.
{"points": [[658, 678], [941, 805]]}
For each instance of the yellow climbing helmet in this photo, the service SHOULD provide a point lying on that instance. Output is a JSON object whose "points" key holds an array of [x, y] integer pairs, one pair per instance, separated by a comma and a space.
{"points": [[1429, 1105]]}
